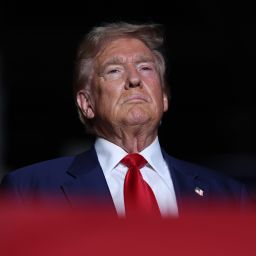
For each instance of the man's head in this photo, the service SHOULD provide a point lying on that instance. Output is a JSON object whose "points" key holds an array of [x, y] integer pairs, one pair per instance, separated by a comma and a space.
{"points": [[120, 77]]}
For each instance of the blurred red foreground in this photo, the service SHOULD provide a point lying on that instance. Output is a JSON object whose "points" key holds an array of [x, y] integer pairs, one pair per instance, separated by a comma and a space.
{"points": [[57, 231]]}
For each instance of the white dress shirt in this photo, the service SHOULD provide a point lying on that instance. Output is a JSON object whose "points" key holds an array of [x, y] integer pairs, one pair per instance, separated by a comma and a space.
{"points": [[155, 173]]}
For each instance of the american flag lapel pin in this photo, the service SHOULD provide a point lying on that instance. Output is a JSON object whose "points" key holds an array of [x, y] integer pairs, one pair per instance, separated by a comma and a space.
{"points": [[199, 191]]}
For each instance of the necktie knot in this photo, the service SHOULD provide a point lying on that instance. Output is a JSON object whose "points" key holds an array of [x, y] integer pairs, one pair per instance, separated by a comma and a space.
{"points": [[134, 160]]}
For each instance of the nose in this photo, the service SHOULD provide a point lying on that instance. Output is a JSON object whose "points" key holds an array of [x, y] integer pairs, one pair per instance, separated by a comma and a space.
{"points": [[133, 78]]}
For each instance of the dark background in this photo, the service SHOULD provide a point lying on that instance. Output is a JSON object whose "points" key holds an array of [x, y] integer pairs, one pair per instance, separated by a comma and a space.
{"points": [[211, 55]]}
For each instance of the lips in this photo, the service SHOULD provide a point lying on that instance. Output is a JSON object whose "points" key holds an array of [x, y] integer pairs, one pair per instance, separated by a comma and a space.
{"points": [[135, 98]]}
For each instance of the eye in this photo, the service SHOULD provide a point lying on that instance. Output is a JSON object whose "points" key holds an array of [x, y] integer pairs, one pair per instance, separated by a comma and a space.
{"points": [[113, 72], [146, 68]]}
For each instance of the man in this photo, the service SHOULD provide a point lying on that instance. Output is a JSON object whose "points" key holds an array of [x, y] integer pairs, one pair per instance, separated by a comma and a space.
{"points": [[121, 94]]}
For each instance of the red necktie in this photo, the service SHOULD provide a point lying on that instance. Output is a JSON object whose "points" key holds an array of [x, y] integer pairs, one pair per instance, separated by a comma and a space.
{"points": [[138, 196]]}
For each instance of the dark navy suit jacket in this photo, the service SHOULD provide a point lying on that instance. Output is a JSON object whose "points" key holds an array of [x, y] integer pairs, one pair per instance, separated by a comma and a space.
{"points": [[79, 181]]}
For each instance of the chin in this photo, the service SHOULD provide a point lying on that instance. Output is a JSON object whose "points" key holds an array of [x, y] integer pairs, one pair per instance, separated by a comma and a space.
{"points": [[135, 121]]}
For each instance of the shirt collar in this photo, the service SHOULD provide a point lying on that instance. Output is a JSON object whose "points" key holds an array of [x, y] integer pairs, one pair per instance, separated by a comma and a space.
{"points": [[108, 160], [153, 155]]}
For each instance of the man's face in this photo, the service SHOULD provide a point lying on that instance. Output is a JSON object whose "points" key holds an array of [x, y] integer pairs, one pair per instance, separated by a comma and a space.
{"points": [[126, 88]]}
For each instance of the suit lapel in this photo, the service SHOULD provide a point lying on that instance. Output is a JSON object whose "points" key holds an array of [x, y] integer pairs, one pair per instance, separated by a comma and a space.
{"points": [[191, 191], [88, 187]]}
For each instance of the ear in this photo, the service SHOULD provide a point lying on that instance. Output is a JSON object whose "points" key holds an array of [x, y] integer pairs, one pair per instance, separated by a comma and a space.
{"points": [[84, 103], [165, 101]]}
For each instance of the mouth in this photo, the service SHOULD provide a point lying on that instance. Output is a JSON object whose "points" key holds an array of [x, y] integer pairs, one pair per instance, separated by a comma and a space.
{"points": [[135, 99]]}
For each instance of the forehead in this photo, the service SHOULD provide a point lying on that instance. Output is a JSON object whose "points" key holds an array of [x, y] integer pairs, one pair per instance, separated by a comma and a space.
{"points": [[124, 48]]}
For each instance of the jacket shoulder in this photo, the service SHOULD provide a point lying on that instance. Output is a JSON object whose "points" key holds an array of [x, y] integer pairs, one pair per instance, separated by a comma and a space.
{"points": [[194, 169], [47, 172], [218, 181], [56, 164]]}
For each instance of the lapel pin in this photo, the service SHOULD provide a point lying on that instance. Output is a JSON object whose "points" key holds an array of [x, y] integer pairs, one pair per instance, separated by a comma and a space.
{"points": [[199, 191]]}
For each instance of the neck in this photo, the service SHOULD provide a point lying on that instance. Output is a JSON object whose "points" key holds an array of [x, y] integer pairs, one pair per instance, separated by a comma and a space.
{"points": [[131, 140]]}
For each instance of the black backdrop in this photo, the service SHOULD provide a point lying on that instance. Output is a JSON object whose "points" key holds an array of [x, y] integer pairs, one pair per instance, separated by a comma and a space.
{"points": [[211, 55]]}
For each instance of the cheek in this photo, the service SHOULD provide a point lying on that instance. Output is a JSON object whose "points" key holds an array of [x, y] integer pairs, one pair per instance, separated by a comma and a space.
{"points": [[154, 87], [151, 78], [158, 96], [153, 84], [107, 98]]}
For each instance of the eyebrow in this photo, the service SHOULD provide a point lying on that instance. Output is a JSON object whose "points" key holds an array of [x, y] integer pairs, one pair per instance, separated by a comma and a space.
{"points": [[117, 60]]}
